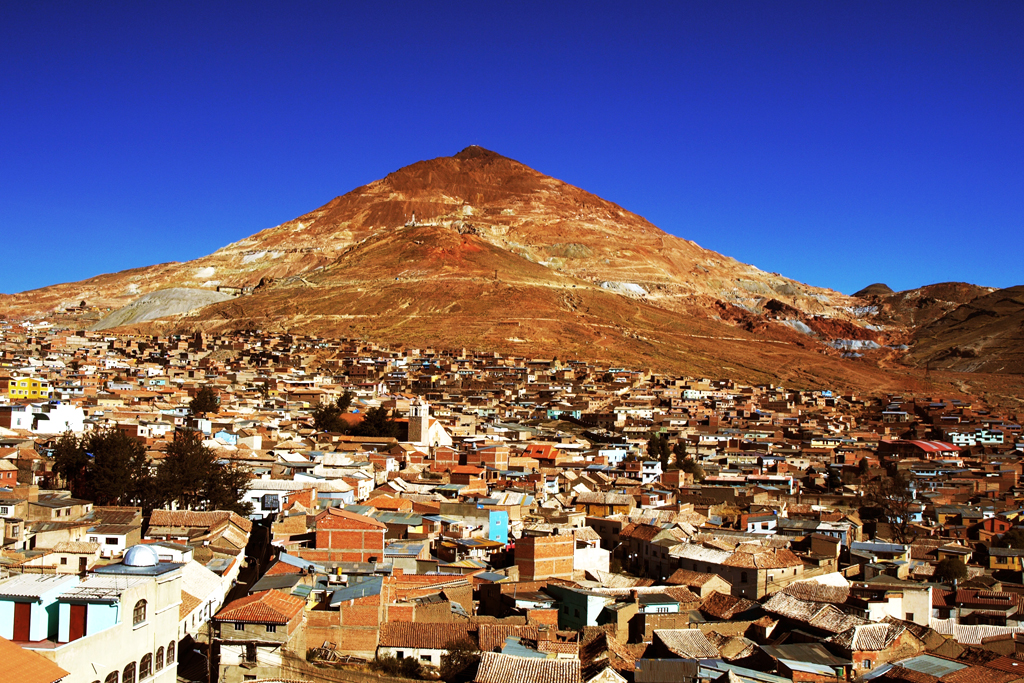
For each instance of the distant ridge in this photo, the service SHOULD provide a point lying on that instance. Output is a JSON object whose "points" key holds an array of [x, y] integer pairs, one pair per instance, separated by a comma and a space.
{"points": [[877, 289]]}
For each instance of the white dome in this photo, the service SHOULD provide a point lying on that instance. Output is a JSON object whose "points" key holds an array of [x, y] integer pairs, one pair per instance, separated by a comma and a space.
{"points": [[140, 556]]}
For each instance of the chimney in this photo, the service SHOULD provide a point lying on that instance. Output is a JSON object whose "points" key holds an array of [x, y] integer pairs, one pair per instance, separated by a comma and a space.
{"points": [[634, 595]]}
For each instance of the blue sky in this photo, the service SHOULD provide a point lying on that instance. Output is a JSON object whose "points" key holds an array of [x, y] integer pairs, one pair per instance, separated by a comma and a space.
{"points": [[837, 143]]}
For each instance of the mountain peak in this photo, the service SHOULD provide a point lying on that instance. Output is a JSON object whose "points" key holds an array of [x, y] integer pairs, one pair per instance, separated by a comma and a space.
{"points": [[477, 152]]}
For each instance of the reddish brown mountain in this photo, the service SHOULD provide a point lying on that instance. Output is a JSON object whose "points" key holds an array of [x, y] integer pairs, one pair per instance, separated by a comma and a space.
{"points": [[479, 250]]}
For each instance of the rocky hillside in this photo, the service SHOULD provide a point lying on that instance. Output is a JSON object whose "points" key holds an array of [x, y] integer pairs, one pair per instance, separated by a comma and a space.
{"points": [[482, 251]]}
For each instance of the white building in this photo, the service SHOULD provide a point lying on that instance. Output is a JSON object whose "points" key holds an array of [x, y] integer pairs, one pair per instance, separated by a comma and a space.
{"points": [[118, 624]]}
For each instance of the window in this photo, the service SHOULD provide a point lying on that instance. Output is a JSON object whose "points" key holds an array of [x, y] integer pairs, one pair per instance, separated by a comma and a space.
{"points": [[399, 654], [111, 677], [866, 663], [94, 539], [170, 652], [110, 540], [271, 628], [159, 658], [139, 614], [239, 626], [910, 616], [743, 577], [425, 658], [146, 666], [63, 560], [250, 652], [5, 510], [577, 612], [129, 674]]}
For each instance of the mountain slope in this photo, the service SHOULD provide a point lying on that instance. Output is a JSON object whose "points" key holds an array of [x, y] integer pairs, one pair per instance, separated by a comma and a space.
{"points": [[985, 334], [482, 251]]}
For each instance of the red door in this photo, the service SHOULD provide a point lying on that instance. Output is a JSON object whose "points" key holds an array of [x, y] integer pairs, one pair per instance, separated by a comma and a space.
{"points": [[77, 625], [22, 620]]}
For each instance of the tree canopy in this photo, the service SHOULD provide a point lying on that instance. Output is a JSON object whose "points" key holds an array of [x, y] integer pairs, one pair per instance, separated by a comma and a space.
{"points": [[693, 467], [1014, 538], [191, 477], [110, 468], [894, 499], [377, 422], [205, 401], [950, 570], [327, 418], [344, 401], [107, 467], [658, 448]]}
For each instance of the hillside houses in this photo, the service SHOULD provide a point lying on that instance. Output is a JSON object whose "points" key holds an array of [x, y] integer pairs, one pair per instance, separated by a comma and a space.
{"points": [[523, 506]]}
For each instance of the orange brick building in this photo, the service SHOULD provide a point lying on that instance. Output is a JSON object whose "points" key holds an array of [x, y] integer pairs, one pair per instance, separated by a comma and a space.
{"points": [[545, 557], [350, 537]]}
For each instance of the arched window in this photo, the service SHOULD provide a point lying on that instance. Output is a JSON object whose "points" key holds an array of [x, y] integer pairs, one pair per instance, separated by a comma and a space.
{"points": [[170, 653], [129, 674], [139, 614], [159, 658], [145, 666], [111, 677]]}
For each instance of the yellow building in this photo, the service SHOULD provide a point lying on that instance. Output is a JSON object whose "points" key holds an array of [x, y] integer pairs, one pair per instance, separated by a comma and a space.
{"points": [[1006, 558], [21, 388]]}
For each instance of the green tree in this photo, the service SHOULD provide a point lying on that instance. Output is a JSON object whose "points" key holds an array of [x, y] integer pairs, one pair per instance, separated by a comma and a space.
{"points": [[679, 453], [894, 499], [950, 570], [344, 401], [191, 477], [327, 418], [1014, 538], [377, 422], [205, 401], [459, 664], [863, 467], [833, 479], [658, 448], [107, 467], [693, 467], [71, 464], [407, 667], [120, 473]]}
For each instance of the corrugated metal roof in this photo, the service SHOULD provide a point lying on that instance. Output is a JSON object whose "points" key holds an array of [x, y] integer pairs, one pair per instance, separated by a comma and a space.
{"points": [[932, 665], [35, 585]]}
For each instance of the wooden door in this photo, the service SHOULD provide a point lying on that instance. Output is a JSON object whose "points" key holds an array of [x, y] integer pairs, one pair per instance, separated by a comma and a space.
{"points": [[22, 620], [77, 625]]}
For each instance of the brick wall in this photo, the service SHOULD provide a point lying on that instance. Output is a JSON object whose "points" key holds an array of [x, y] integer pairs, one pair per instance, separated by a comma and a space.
{"points": [[541, 557]]}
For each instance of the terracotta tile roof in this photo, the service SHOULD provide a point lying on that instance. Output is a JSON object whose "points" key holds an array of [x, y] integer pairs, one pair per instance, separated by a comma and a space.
{"points": [[688, 643], [768, 559], [972, 674], [85, 547], [818, 592], [190, 518], [434, 637], [683, 595], [867, 637], [351, 516], [498, 668], [25, 666], [685, 577], [900, 674], [723, 606], [188, 603], [265, 607], [493, 636]]}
